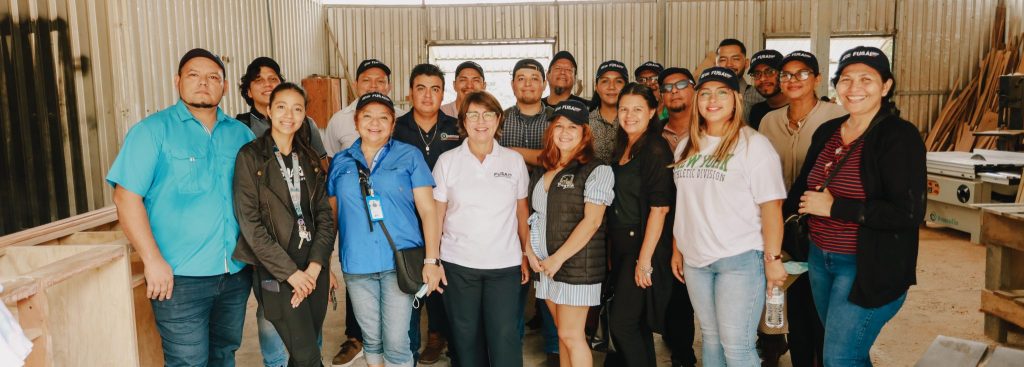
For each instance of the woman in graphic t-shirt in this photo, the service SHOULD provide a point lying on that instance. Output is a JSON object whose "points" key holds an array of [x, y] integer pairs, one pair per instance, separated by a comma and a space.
{"points": [[728, 222]]}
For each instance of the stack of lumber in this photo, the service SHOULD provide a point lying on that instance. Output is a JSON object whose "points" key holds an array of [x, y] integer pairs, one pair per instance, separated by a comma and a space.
{"points": [[976, 108]]}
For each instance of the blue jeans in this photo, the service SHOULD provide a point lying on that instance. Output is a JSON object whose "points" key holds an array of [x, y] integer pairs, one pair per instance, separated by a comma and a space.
{"points": [[548, 329], [850, 330], [202, 322], [271, 346], [383, 312], [728, 297]]}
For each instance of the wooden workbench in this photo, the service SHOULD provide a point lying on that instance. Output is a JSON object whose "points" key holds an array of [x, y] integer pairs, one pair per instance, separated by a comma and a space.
{"points": [[1002, 300]]}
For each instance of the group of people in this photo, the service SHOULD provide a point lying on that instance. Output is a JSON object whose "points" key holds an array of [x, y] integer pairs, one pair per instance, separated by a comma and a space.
{"points": [[655, 201]]}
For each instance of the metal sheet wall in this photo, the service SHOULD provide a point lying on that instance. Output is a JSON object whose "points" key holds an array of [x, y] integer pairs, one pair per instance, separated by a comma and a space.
{"points": [[937, 49], [698, 26], [460, 23], [598, 32], [299, 36], [53, 102]]}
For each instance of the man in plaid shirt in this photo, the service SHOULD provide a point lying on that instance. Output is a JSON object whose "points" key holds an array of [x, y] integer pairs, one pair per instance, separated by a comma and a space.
{"points": [[525, 122]]}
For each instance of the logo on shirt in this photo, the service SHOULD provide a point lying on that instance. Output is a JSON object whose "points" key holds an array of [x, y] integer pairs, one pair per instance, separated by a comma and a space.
{"points": [[503, 175], [449, 137], [703, 167], [566, 182]]}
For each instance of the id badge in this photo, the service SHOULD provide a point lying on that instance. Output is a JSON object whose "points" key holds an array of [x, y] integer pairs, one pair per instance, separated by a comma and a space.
{"points": [[376, 212]]}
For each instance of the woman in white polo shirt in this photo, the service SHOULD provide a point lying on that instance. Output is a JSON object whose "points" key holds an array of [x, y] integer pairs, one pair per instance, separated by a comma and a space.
{"points": [[728, 222], [481, 195]]}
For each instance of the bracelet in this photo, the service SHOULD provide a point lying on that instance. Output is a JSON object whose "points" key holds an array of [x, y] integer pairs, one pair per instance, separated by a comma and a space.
{"points": [[647, 269], [769, 257]]}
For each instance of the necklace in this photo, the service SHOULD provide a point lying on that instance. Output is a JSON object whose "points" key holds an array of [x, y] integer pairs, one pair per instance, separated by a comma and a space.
{"points": [[423, 137]]}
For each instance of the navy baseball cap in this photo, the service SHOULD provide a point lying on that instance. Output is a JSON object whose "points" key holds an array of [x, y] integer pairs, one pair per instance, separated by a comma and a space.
{"points": [[719, 74], [373, 63], [650, 65], [873, 57], [674, 70], [802, 56], [375, 97], [469, 65], [529, 64], [771, 58], [574, 110], [612, 65], [200, 52], [563, 55]]}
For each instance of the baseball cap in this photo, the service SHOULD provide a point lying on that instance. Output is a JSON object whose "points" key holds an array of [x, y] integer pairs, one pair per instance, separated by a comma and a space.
{"points": [[574, 110], [200, 52], [373, 63], [719, 74]]}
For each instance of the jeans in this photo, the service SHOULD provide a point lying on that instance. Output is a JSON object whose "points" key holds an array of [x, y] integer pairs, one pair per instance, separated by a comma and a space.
{"points": [[201, 325], [383, 312], [271, 346], [548, 329], [728, 297], [850, 330]]}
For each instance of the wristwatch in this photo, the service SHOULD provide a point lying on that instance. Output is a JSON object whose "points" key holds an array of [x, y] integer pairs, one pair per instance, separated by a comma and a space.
{"points": [[430, 261], [769, 257]]}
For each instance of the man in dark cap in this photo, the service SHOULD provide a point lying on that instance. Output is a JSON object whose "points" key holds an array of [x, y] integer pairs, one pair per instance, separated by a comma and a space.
{"points": [[526, 121], [561, 79], [169, 176], [764, 71], [372, 75], [469, 77]]}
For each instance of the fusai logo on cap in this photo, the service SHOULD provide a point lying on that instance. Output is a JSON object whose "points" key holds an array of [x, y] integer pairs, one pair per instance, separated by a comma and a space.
{"points": [[801, 54], [765, 57], [860, 53], [715, 73], [371, 62], [569, 107], [613, 65]]}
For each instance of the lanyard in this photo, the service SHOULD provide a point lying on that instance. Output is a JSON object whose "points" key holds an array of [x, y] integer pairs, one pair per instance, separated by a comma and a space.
{"points": [[292, 177]]}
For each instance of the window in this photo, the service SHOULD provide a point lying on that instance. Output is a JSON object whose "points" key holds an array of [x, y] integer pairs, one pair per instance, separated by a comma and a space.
{"points": [[837, 45], [497, 60]]}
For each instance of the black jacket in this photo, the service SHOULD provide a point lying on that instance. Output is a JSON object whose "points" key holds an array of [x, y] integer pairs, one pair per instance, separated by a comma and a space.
{"points": [[894, 176], [565, 210], [266, 217]]}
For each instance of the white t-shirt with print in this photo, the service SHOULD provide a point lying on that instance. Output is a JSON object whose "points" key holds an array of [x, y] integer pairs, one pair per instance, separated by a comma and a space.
{"points": [[480, 228], [717, 202]]}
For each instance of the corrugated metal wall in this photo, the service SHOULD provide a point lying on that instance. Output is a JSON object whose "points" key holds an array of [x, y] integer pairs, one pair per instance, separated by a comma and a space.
{"points": [[598, 32], [694, 28], [77, 74]]}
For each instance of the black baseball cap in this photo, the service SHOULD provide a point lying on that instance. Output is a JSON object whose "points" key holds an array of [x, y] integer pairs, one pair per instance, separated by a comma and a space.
{"points": [[375, 97], [612, 65], [719, 74], [870, 56], [771, 58], [674, 70], [469, 65], [650, 65], [373, 63], [529, 64], [574, 110], [802, 56], [200, 52], [563, 55]]}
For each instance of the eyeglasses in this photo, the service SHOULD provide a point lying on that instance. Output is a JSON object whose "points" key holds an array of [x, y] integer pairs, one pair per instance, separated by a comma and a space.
{"points": [[799, 75], [707, 94], [767, 73], [488, 116], [642, 80], [680, 85]]}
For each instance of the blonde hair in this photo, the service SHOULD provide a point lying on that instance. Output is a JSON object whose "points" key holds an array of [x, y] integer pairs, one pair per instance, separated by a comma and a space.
{"points": [[698, 130]]}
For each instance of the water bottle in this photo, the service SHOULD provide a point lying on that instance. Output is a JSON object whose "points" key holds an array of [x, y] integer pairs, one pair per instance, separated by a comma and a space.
{"points": [[774, 317]]}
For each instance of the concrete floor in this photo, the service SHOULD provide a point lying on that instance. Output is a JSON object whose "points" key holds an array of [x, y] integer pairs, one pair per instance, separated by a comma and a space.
{"points": [[945, 302]]}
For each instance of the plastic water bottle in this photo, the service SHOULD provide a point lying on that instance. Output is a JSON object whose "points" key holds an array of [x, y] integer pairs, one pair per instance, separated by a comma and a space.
{"points": [[774, 317]]}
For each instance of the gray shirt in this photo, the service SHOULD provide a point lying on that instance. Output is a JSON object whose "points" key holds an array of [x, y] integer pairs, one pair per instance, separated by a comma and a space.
{"points": [[524, 131]]}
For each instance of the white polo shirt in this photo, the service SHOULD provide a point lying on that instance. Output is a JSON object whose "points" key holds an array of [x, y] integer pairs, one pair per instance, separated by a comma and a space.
{"points": [[480, 229]]}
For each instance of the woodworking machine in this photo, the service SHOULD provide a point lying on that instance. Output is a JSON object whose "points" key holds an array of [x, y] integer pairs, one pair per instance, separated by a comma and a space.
{"points": [[958, 180]]}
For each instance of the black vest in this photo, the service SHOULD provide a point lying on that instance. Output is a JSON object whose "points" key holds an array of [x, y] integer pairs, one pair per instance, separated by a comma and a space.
{"points": [[564, 212]]}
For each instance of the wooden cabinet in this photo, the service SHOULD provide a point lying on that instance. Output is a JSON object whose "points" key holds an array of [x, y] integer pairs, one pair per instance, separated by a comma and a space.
{"points": [[324, 98]]}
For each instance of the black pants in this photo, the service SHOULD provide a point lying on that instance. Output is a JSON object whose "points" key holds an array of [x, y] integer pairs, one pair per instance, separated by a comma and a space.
{"points": [[806, 334], [679, 328], [483, 310], [632, 337], [298, 327]]}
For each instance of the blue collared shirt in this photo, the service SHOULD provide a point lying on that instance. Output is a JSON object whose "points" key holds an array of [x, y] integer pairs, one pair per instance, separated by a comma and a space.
{"points": [[184, 174], [399, 168]]}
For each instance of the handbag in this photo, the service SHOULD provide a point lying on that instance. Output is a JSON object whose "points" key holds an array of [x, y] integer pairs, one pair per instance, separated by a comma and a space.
{"points": [[408, 262], [795, 233]]}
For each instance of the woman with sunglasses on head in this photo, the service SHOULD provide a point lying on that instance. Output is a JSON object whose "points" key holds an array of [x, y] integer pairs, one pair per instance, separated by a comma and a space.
{"points": [[864, 221], [382, 191], [639, 240], [790, 129], [567, 228], [289, 241], [481, 197], [728, 221]]}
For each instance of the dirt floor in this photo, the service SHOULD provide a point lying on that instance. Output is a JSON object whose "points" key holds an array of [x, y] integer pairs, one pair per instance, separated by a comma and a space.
{"points": [[945, 302]]}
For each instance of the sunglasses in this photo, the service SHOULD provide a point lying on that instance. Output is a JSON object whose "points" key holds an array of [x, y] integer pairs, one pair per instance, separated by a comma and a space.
{"points": [[680, 85]]}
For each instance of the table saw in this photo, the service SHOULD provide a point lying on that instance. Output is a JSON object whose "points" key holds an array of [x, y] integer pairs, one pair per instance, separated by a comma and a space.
{"points": [[958, 180]]}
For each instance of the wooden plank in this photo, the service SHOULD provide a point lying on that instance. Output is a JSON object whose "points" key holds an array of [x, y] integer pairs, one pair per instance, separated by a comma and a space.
{"points": [[1001, 230], [1020, 186], [92, 238], [1010, 294], [18, 289], [60, 228], [34, 313], [150, 353], [1002, 308]]}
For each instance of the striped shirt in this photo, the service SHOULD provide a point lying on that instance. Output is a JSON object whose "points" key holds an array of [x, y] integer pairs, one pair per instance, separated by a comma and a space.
{"points": [[831, 234]]}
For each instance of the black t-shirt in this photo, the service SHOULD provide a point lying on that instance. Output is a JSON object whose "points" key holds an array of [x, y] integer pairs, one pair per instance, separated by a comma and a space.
{"points": [[642, 183], [571, 96], [444, 136], [757, 112]]}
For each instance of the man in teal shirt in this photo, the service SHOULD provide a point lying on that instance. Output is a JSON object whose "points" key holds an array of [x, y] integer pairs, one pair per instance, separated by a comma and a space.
{"points": [[172, 186]]}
